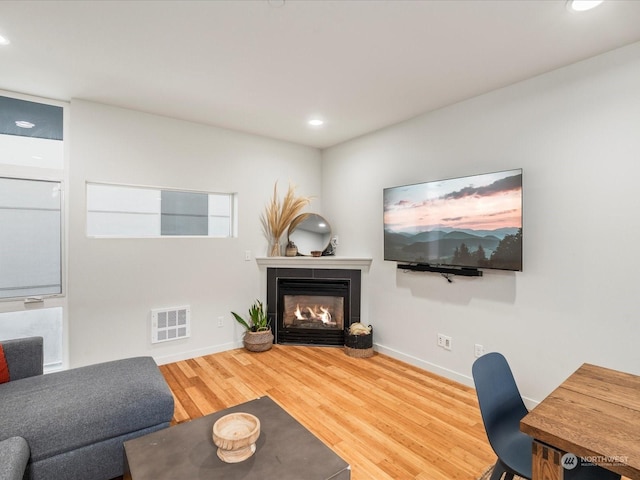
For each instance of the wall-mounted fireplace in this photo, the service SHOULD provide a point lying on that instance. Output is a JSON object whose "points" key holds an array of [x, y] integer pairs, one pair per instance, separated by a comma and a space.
{"points": [[312, 306]]}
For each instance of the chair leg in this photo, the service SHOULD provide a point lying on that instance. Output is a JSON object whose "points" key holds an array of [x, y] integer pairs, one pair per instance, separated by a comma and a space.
{"points": [[499, 470]]}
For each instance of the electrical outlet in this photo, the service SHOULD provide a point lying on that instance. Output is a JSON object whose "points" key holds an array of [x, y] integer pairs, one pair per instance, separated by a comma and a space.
{"points": [[220, 321], [444, 341], [247, 255], [478, 350]]}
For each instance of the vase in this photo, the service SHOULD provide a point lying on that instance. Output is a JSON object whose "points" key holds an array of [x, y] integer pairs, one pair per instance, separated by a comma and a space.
{"points": [[258, 341], [275, 249]]}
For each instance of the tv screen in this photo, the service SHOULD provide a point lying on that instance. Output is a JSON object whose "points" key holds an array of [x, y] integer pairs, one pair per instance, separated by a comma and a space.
{"points": [[469, 222]]}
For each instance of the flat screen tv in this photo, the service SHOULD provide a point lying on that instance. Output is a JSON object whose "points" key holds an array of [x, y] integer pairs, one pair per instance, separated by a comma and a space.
{"points": [[468, 222]]}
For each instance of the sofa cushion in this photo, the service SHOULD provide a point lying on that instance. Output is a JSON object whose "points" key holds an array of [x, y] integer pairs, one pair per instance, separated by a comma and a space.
{"points": [[102, 460], [14, 455], [24, 356], [67, 410]]}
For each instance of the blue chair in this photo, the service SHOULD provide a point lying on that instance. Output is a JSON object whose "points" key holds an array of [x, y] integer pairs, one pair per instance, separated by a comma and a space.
{"points": [[502, 409]]}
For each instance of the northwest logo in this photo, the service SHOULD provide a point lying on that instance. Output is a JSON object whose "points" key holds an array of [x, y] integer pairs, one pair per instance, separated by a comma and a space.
{"points": [[569, 461]]}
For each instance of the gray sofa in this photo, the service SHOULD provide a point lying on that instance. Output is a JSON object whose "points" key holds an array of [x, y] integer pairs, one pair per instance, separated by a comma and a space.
{"points": [[71, 425]]}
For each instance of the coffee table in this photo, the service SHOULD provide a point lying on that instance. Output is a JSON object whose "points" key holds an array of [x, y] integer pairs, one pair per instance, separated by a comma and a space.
{"points": [[285, 450]]}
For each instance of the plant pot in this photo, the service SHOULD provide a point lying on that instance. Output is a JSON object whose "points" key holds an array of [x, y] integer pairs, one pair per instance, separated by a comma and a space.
{"points": [[258, 341]]}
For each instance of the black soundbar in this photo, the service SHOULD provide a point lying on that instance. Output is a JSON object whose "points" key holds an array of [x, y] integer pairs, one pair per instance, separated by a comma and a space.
{"points": [[423, 267]]}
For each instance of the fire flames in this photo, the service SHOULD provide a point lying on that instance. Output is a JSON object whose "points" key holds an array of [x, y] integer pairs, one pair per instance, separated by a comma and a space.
{"points": [[316, 313]]}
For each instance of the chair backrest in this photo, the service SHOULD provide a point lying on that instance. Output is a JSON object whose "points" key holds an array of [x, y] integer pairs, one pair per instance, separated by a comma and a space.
{"points": [[500, 401]]}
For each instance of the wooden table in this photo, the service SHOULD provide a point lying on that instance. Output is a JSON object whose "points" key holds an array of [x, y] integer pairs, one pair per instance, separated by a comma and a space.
{"points": [[594, 414], [285, 450]]}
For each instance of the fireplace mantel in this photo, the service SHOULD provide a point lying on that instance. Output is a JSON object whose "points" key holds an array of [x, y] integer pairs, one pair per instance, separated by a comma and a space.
{"points": [[356, 263]]}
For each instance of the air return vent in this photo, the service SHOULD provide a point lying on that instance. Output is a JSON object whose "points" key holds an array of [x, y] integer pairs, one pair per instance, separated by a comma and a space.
{"points": [[170, 323]]}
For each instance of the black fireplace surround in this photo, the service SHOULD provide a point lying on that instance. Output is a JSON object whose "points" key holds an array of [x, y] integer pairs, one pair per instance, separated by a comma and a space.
{"points": [[341, 285]]}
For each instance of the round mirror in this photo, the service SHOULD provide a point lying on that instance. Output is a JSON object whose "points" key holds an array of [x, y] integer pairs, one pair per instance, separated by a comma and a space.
{"points": [[310, 232]]}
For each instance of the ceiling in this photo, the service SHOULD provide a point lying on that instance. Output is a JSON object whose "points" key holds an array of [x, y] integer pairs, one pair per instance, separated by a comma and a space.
{"points": [[266, 68]]}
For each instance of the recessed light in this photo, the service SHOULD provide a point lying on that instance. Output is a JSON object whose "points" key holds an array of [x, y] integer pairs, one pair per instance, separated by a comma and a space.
{"points": [[316, 122], [4, 40], [24, 124], [582, 5]]}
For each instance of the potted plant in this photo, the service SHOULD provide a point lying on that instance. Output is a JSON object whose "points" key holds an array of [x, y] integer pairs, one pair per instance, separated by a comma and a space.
{"points": [[257, 335]]}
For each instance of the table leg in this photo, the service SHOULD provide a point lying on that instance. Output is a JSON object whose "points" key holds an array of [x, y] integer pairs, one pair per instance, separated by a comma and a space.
{"points": [[546, 462], [127, 472]]}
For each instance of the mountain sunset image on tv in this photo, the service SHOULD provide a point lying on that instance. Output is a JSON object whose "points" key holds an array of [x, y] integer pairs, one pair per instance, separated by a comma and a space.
{"points": [[472, 222]]}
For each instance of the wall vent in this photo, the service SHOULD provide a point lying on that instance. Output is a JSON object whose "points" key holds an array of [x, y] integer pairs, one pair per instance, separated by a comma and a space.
{"points": [[170, 323]]}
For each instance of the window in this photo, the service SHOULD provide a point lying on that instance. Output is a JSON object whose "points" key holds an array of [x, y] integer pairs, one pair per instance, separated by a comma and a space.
{"points": [[31, 198], [31, 134], [43, 322], [32, 205], [125, 211], [31, 238]]}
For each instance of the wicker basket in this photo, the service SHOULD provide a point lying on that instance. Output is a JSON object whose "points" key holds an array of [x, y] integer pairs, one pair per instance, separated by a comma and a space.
{"points": [[359, 352], [359, 346]]}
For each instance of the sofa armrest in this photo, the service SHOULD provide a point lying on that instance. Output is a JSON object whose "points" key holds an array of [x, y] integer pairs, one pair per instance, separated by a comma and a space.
{"points": [[14, 456], [24, 356]]}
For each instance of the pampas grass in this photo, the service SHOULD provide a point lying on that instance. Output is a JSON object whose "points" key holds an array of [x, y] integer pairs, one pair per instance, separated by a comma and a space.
{"points": [[278, 216]]}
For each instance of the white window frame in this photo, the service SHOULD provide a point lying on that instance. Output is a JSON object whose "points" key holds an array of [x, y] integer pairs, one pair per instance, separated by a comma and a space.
{"points": [[43, 174], [55, 301]]}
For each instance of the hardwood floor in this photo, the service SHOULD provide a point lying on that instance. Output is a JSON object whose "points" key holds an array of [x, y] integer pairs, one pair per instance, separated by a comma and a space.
{"points": [[387, 419]]}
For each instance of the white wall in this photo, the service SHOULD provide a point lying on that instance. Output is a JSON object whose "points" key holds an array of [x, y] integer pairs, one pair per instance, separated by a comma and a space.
{"points": [[114, 283], [574, 131], [576, 134]]}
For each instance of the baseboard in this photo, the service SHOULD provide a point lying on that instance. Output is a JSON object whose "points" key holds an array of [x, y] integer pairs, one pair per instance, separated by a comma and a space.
{"points": [[177, 357], [428, 366], [438, 370]]}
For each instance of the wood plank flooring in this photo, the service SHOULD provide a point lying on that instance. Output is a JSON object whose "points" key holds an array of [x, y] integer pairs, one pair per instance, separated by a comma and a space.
{"points": [[387, 419]]}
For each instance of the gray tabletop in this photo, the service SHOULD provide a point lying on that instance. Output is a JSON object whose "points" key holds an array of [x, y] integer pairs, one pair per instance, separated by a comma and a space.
{"points": [[285, 450]]}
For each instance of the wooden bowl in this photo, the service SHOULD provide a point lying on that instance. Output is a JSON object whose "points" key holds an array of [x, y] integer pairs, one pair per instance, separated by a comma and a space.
{"points": [[235, 436], [316, 253]]}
